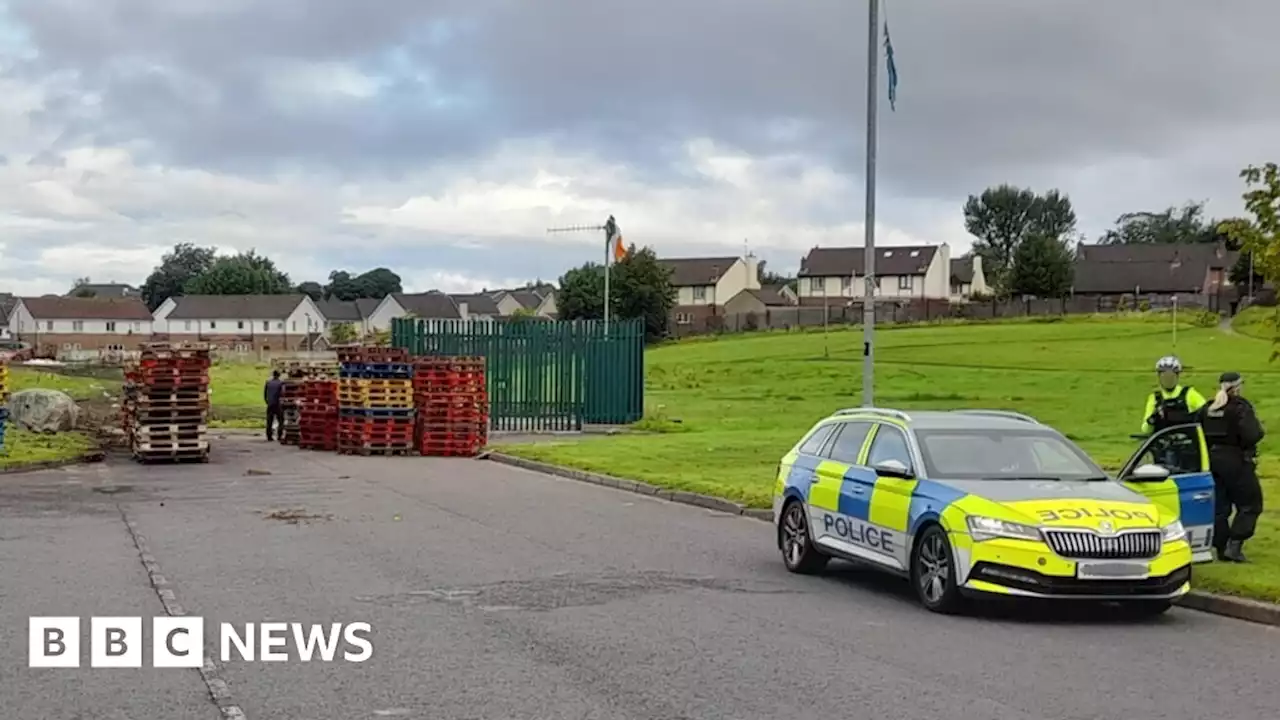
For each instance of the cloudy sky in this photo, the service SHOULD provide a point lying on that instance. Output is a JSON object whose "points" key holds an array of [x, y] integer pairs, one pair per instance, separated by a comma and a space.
{"points": [[441, 137]]}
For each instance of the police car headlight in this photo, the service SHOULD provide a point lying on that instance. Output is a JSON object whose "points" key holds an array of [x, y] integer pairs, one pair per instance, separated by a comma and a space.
{"points": [[985, 528], [1174, 531]]}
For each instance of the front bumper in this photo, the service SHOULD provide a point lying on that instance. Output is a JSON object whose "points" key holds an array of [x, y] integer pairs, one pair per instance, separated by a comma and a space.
{"points": [[990, 578], [1031, 569]]}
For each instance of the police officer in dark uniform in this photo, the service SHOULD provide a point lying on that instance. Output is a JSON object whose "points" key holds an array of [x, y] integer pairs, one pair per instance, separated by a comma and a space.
{"points": [[1233, 432]]}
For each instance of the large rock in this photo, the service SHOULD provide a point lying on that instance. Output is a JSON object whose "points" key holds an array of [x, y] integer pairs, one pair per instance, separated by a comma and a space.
{"points": [[43, 410]]}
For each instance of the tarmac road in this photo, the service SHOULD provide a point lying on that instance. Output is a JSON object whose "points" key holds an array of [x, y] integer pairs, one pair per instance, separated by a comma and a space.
{"points": [[500, 593]]}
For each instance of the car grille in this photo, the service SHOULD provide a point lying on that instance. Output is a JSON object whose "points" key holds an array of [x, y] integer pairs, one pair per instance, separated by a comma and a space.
{"points": [[1088, 545]]}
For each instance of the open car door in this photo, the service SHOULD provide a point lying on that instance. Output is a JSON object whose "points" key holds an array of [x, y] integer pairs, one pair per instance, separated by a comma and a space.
{"points": [[1189, 490]]}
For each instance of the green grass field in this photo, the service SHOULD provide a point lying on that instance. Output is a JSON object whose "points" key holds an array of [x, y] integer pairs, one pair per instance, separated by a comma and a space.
{"points": [[726, 409]]}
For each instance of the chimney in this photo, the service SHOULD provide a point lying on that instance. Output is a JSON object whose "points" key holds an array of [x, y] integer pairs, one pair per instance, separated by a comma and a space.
{"points": [[462, 309], [753, 272]]}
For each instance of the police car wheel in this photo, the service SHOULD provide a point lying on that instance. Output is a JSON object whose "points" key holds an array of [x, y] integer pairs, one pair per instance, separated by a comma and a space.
{"points": [[798, 551], [933, 572]]}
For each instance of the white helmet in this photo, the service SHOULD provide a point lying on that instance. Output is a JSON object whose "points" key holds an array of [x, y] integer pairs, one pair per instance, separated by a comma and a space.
{"points": [[1169, 363]]}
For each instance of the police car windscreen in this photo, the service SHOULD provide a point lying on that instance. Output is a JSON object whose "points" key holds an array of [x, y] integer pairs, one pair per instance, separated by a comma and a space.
{"points": [[961, 454]]}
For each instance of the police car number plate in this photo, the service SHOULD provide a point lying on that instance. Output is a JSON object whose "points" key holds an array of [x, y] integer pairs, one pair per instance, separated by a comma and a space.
{"points": [[1112, 571]]}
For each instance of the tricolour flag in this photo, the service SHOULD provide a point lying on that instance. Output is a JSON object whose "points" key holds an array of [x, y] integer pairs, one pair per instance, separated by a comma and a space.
{"points": [[614, 241]]}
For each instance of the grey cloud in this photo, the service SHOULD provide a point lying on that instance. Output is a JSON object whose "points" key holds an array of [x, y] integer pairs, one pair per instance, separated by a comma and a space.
{"points": [[991, 90]]}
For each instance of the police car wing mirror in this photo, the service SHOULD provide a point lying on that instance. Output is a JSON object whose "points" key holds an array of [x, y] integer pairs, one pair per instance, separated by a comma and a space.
{"points": [[892, 468], [1149, 473]]}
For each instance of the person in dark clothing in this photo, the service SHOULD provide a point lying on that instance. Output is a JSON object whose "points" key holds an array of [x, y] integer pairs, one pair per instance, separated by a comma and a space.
{"points": [[1233, 432], [271, 393]]}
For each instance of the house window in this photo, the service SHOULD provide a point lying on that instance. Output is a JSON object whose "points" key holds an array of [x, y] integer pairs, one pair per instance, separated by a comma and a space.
{"points": [[137, 326], [699, 294], [266, 325], [48, 326], [280, 326], [295, 325], [77, 326], [239, 324], [213, 325], [111, 326], [846, 283], [186, 325], [904, 282], [816, 284], [684, 318]]}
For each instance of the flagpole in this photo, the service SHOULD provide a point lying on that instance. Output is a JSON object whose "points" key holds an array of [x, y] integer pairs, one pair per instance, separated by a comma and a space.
{"points": [[869, 248], [608, 240]]}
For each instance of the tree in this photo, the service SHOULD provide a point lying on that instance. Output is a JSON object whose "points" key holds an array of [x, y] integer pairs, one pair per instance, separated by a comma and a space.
{"points": [[641, 288], [377, 283], [1002, 217], [1170, 226], [343, 334], [767, 277], [1240, 274], [1043, 267], [81, 289], [581, 293], [1261, 235], [242, 274], [177, 268], [312, 289]]}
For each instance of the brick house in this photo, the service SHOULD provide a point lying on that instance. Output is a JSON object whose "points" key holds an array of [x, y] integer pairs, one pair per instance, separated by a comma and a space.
{"points": [[837, 275], [64, 327], [704, 285], [243, 323], [1197, 274]]}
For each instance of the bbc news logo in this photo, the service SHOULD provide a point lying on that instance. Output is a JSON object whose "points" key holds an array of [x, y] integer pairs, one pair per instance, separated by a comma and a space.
{"points": [[178, 642]]}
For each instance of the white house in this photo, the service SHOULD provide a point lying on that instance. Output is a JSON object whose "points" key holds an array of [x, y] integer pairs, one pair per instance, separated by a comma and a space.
{"points": [[60, 326], [704, 285], [906, 272], [243, 322], [967, 278], [357, 313]]}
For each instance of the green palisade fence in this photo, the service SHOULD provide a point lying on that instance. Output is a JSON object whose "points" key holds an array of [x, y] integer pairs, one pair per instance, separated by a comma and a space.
{"points": [[544, 376]]}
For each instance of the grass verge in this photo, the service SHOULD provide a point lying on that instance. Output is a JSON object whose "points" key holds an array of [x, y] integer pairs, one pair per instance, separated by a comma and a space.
{"points": [[740, 402]]}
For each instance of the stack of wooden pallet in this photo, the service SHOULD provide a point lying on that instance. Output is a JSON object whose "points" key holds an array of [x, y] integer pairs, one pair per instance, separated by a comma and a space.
{"points": [[318, 413], [452, 400], [375, 401], [166, 406]]}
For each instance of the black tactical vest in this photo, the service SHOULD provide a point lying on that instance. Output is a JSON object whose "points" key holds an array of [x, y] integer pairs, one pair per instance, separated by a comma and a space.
{"points": [[1172, 411]]}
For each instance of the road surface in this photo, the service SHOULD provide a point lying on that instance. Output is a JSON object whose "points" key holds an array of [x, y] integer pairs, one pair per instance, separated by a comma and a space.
{"points": [[500, 593]]}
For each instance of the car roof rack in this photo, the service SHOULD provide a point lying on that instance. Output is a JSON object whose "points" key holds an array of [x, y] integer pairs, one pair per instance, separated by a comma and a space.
{"points": [[887, 412], [1001, 414]]}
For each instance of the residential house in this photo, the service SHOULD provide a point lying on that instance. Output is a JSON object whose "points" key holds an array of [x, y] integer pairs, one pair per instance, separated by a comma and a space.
{"points": [[704, 285], [7, 301], [357, 313], [433, 305], [761, 300], [967, 278], [838, 275], [243, 323], [1196, 274], [539, 300], [105, 290], [478, 306], [64, 326]]}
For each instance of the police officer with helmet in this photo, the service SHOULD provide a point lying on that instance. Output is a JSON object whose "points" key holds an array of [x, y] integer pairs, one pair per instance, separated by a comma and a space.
{"points": [[1233, 432], [1172, 403]]}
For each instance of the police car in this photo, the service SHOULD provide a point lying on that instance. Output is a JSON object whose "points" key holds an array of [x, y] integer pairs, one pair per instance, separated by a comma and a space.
{"points": [[970, 503]]}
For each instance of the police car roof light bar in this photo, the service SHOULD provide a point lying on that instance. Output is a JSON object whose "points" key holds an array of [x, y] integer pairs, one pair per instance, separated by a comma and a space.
{"points": [[1002, 414], [887, 412]]}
